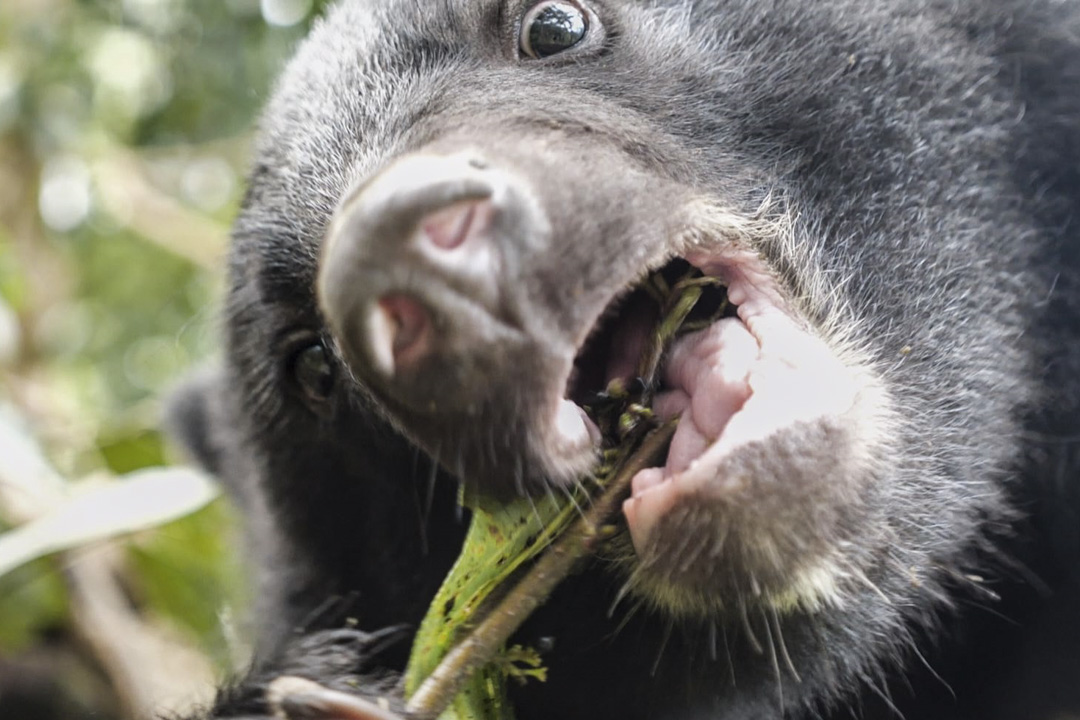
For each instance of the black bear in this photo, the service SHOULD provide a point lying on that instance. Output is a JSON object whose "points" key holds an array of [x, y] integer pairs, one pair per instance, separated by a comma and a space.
{"points": [[869, 506]]}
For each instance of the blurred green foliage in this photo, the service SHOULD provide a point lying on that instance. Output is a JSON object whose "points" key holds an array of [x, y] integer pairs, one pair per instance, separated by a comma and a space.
{"points": [[176, 580], [124, 127], [33, 597]]}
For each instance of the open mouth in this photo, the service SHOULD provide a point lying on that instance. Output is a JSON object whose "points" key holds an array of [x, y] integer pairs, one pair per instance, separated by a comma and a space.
{"points": [[616, 351], [623, 359], [742, 369]]}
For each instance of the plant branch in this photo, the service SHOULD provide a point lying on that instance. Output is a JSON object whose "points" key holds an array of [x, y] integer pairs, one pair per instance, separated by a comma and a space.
{"points": [[436, 692]]}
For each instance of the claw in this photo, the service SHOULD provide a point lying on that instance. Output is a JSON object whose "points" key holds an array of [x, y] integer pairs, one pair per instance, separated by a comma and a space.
{"points": [[294, 698]]}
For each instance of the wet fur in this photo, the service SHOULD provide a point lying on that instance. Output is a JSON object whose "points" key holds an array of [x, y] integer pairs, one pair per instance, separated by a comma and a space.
{"points": [[921, 160]]}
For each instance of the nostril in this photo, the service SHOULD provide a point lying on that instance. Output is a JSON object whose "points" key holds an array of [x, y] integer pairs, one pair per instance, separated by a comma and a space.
{"points": [[450, 227], [400, 333]]}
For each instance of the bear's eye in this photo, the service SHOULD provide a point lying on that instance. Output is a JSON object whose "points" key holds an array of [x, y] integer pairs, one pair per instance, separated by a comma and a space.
{"points": [[552, 27], [313, 372]]}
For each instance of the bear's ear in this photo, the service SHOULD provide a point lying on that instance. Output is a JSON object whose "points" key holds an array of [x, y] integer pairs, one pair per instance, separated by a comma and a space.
{"points": [[194, 418]]}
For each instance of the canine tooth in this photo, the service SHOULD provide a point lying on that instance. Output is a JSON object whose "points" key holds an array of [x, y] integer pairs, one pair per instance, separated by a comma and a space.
{"points": [[570, 422]]}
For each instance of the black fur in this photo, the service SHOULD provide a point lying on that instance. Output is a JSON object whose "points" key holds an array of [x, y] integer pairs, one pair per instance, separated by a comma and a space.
{"points": [[923, 160]]}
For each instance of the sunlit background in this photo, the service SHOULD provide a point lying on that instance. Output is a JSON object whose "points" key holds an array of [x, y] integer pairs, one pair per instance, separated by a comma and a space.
{"points": [[124, 133]]}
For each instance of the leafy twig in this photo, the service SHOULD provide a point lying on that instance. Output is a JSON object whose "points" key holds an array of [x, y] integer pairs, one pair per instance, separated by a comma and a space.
{"points": [[481, 646]]}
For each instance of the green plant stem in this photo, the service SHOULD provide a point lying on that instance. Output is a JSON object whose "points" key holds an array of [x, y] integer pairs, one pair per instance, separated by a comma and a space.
{"points": [[436, 692]]}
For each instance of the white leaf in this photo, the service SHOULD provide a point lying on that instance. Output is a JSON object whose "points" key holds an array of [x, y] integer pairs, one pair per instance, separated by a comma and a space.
{"points": [[138, 501]]}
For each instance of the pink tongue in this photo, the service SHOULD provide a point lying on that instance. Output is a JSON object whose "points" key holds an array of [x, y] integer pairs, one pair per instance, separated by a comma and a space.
{"points": [[708, 372]]}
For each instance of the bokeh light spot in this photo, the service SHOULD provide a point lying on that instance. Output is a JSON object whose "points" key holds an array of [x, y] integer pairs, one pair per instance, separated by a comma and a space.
{"points": [[65, 199], [285, 13]]}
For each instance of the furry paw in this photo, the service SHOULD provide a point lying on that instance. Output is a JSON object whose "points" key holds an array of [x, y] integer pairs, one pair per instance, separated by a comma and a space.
{"points": [[343, 652], [323, 675]]}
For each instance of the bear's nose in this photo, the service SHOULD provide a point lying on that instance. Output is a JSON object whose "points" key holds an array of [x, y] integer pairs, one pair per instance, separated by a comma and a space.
{"points": [[400, 330], [414, 276]]}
